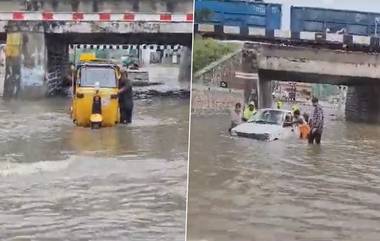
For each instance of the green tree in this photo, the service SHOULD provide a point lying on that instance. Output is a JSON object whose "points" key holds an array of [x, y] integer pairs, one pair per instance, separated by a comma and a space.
{"points": [[209, 50]]}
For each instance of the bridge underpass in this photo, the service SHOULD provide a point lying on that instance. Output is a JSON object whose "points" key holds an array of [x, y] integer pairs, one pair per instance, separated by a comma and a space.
{"points": [[38, 43], [357, 70]]}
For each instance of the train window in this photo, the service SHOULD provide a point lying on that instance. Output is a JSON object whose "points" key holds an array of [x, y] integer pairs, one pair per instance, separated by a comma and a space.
{"points": [[335, 27]]}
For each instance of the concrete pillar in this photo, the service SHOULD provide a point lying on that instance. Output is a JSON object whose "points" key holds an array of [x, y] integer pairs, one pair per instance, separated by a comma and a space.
{"points": [[249, 65], [264, 87], [185, 65], [145, 56], [25, 61], [57, 66], [2, 68], [363, 103]]}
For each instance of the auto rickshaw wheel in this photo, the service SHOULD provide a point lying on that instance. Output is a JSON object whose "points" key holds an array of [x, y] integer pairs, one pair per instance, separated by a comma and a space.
{"points": [[95, 125]]}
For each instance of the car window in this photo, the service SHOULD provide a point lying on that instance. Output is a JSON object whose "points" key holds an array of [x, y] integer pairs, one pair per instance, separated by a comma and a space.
{"points": [[269, 117]]}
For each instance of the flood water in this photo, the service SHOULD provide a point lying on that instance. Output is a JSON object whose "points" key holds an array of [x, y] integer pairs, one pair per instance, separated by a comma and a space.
{"points": [[61, 182], [242, 189]]}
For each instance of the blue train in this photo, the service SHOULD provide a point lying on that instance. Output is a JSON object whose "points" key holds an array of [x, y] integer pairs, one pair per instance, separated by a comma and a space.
{"points": [[267, 15], [238, 13], [330, 20]]}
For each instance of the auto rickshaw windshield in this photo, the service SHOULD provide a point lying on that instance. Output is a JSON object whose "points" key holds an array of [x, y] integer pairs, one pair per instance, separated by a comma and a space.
{"points": [[106, 77]]}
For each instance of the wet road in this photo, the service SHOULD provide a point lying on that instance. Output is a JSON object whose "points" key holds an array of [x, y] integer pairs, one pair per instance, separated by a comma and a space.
{"points": [[241, 189], [60, 182]]}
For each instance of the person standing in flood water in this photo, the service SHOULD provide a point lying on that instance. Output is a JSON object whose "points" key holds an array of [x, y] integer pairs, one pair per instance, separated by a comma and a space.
{"points": [[249, 111], [125, 98], [303, 126], [236, 116], [316, 122]]}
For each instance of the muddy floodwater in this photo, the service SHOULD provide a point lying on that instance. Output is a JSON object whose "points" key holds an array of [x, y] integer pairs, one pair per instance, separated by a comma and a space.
{"points": [[61, 182], [242, 189]]}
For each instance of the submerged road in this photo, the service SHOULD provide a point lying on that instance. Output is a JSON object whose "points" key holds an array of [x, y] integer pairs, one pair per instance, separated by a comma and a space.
{"points": [[61, 182], [242, 189]]}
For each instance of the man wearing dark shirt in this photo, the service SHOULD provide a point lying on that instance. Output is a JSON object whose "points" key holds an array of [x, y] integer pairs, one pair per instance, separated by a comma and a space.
{"points": [[316, 123], [125, 98]]}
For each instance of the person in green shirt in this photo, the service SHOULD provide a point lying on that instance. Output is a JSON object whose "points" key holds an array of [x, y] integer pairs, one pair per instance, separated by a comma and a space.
{"points": [[249, 111], [279, 104], [295, 107]]}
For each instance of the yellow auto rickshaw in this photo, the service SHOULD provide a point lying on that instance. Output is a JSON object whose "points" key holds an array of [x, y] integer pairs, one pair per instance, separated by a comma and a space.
{"points": [[95, 93]]}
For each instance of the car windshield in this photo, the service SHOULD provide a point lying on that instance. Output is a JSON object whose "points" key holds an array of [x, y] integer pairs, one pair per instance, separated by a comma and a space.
{"points": [[104, 75], [268, 117]]}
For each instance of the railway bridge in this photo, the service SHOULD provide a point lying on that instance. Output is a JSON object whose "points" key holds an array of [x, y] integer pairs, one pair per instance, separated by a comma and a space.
{"points": [[312, 57]]}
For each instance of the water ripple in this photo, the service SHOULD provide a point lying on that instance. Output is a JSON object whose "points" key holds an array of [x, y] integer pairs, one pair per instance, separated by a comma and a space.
{"points": [[242, 189]]}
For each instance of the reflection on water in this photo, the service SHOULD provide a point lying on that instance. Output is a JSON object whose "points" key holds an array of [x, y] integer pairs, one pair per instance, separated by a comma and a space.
{"points": [[242, 189], [61, 182]]}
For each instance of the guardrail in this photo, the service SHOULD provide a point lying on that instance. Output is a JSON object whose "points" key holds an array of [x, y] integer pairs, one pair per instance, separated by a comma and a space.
{"points": [[251, 33], [90, 17]]}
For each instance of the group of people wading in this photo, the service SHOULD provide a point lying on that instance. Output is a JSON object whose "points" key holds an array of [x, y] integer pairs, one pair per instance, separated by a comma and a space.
{"points": [[309, 128], [237, 117]]}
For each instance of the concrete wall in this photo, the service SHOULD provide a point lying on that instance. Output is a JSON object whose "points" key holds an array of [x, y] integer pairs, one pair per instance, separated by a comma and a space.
{"points": [[228, 70], [119, 27], [2, 68], [33, 65], [184, 6], [221, 70], [185, 65], [25, 65], [214, 99], [363, 103], [207, 95], [57, 66]]}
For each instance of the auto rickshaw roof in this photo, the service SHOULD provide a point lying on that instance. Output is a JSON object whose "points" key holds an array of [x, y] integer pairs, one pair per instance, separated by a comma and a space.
{"points": [[95, 64], [90, 58]]}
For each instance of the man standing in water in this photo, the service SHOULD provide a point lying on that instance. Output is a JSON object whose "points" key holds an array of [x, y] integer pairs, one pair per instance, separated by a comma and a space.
{"points": [[125, 98], [303, 126], [249, 111], [236, 116], [316, 122]]}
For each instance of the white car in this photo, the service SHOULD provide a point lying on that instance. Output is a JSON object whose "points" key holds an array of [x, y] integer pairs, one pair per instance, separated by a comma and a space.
{"points": [[267, 125]]}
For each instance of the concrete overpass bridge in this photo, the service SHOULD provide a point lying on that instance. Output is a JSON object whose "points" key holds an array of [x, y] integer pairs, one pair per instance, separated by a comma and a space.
{"points": [[39, 41], [310, 57]]}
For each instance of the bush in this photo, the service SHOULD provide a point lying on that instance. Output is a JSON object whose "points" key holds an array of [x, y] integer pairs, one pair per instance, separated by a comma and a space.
{"points": [[209, 50]]}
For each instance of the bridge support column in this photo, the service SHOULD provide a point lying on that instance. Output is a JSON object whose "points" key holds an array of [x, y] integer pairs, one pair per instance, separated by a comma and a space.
{"points": [[249, 65], [57, 65], [264, 87], [363, 103], [185, 65], [26, 61]]}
